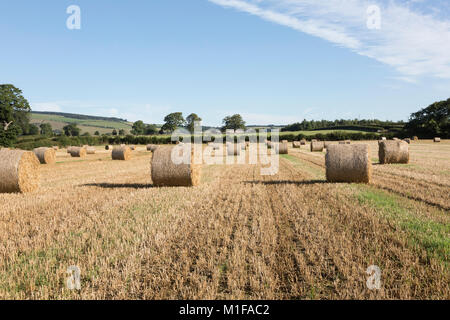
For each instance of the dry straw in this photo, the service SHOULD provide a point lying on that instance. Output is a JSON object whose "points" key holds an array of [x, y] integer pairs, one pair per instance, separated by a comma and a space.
{"points": [[296, 144], [393, 152], [45, 155], [90, 150], [233, 149], [348, 163], [317, 146], [19, 171], [167, 173], [283, 148], [437, 139], [121, 153], [78, 152]]}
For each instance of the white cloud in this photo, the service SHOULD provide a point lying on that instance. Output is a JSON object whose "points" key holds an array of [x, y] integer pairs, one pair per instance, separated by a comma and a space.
{"points": [[415, 43]]}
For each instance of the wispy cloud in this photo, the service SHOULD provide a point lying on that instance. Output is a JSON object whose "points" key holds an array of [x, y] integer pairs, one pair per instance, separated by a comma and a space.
{"points": [[414, 38]]}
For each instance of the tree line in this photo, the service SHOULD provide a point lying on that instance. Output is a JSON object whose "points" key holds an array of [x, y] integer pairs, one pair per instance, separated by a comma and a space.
{"points": [[15, 121]]}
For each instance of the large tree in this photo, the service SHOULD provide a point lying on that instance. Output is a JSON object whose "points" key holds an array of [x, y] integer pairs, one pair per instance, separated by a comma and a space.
{"points": [[72, 130], [138, 128], [190, 121], [234, 122], [14, 114], [431, 121], [46, 129], [173, 121]]}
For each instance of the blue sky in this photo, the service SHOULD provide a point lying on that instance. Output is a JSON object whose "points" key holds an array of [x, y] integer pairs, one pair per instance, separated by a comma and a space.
{"points": [[271, 61]]}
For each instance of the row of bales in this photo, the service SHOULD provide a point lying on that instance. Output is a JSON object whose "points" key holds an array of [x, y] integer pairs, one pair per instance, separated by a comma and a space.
{"points": [[344, 162]]}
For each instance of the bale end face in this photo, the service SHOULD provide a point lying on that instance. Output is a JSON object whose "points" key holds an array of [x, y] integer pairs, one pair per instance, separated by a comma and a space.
{"points": [[45, 155], [348, 163], [19, 171], [77, 152]]}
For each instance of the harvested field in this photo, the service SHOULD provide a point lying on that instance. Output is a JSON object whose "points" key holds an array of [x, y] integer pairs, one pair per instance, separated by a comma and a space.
{"points": [[237, 235]]}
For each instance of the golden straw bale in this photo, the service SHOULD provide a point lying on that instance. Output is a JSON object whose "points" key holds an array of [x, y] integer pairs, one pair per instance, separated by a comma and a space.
{"points": [[166, 173], [282, 148], [303, 142], [407, 140], [437, 139], [19, 171], [393, 152], [341, 142], [296, 144], [347, 142], [108, 147], [90, 150], [132, 147], [317, 146], [121, 153], [78, 152], [348, 163], [56, 148], [45, 155], [415, 138]]}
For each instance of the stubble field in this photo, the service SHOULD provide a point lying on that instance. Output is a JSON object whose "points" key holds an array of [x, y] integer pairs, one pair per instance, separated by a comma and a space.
{"points": [[238, 235]]}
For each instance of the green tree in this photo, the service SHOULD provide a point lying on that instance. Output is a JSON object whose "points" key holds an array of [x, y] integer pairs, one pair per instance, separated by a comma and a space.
{"points": [[234, 122], [190, 121], [46, 129], [173, 121], [114, 132], [71, 130], [96, 133], [121, 132], [431, 121], [14, 114], [138, 128], [151, 129], [33, 129]]}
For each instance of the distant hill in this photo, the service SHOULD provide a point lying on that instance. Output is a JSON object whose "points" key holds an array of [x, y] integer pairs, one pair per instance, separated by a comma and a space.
{"points": [[86, 123]]}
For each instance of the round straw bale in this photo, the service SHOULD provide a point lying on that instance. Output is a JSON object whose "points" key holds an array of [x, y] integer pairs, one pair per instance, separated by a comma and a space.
{"points": [[296, 144], [348, 142], [56, 148], [407, 140], [121, 153], [45, 155], [393, 152], [78, 152], [69, 148], [348, 163], [19, 171], [313, 140], [303, 142], [383, 138], [317, 146], [282, 148], [166, 173], [395, 139], [132, 147], [415, 138], [233, 149], [341, 142], [108, 147], [437, 139], [90, 150], [284, 141]]}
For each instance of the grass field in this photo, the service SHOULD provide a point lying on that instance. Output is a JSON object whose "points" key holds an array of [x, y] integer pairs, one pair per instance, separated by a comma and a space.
{"points": [[238, 235], [58, 122]]}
